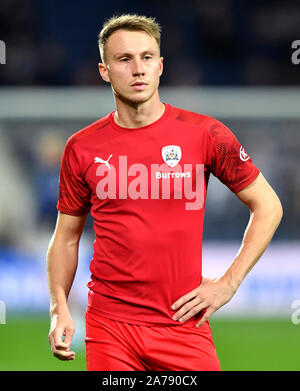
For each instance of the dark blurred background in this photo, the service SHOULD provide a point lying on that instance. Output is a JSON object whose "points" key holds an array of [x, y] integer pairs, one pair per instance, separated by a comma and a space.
{"points": [[230, 59], [216, 42]]}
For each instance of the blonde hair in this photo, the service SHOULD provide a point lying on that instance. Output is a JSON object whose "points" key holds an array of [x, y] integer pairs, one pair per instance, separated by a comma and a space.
{"points": [[130, 22]]}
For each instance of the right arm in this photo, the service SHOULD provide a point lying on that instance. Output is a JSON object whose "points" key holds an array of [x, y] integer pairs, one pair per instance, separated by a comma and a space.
{"points": [[62, 260]]}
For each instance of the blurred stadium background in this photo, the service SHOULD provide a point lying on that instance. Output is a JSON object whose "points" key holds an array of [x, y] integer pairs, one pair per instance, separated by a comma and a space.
{"points": [[227, 59]]}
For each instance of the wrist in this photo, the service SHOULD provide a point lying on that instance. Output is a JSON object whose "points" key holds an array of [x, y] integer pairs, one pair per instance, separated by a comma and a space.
{"points": [[233, 281], [58, 308]]}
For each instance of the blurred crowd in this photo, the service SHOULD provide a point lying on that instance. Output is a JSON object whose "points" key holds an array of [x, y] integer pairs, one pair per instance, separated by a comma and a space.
{"points": [[216, 42]]}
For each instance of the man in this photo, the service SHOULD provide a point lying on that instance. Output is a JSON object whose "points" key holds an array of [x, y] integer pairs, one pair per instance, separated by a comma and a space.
{"points": [[142, 171]]}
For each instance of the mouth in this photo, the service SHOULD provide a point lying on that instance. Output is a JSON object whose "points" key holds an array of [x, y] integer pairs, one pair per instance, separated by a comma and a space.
{"points": [[139, 85]]}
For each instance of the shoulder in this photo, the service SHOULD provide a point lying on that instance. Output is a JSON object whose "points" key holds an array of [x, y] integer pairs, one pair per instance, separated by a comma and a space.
{"points": [[86, 134], [206, 122]]}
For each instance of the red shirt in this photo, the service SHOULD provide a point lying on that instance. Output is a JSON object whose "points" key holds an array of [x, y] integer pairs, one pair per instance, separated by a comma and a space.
{"points": [[146, 190]]}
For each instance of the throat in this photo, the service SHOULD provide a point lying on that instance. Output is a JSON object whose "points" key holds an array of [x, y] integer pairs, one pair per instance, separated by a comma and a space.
{"points": [[138, 117]]}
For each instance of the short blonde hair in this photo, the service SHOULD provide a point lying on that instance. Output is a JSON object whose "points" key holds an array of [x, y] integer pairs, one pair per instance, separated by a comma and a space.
{"points": [[130, 22]]}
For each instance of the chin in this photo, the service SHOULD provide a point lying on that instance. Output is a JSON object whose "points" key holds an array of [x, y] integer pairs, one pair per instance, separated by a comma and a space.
{"points": [[135, 99]]}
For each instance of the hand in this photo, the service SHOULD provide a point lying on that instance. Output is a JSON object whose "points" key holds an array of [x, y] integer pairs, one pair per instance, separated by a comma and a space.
{"points": [[208, 297], [61, 326]]}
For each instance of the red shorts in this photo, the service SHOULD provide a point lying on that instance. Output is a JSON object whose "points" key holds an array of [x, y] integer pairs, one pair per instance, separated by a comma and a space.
{"points": [[117, 346]]}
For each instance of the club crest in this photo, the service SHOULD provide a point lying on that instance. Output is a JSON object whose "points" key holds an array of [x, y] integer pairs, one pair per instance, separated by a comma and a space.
{"points": [[171, 154]]}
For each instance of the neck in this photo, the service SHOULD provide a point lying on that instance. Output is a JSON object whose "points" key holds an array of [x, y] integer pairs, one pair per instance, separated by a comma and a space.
{"points": [[136, 116]]}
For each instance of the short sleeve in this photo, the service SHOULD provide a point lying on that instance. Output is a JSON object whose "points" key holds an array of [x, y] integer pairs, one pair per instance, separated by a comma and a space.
{"points": [[74, 193], [229, 161]]}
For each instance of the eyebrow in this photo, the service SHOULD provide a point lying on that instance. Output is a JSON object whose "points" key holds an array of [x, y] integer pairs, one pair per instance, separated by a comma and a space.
{"points": [[125, 54]]}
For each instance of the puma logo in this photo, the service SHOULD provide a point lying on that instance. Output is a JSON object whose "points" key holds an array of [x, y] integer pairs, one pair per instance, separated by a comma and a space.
{"points": [[99, 160]]}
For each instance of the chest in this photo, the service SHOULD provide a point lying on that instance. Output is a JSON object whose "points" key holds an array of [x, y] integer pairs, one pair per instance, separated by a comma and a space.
{"points": [[165, 164]]}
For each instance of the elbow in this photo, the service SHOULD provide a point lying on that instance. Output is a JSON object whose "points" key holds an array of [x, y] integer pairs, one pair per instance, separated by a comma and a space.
{"points": [[270, 209], [274, 211], [279, 211], [60, 243]]}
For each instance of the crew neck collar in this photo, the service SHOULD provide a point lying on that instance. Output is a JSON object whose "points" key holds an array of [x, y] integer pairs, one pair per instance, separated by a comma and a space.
{"points": [[152, 125]]}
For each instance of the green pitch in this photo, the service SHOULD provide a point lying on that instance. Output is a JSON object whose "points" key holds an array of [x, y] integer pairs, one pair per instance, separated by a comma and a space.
{"points": [[242, 344]]}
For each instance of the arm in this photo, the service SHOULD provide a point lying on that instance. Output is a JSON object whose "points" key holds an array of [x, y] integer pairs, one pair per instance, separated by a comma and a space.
{"points": [[265, 216], [62, 260]]}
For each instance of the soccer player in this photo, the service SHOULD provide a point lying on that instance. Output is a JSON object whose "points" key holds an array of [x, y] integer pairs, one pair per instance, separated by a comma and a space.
{"points": [[142, 172]]}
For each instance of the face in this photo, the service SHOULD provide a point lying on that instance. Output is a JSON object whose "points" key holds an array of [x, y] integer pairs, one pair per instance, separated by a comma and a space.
{"points": [[133, 66]]}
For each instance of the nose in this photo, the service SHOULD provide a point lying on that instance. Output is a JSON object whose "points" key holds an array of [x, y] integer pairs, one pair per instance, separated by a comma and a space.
{"points": [[137, 68]]}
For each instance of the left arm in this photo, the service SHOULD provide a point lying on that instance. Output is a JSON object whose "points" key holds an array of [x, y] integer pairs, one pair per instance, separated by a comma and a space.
{"points": [[265, 216]]}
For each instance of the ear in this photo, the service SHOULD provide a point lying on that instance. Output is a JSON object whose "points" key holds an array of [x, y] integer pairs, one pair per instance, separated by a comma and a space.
{"points": [[103, 72], [161, 65]]}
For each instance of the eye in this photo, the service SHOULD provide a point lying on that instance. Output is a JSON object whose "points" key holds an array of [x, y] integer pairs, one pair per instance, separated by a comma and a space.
{"points": [[147, 57], [124, 59]]}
